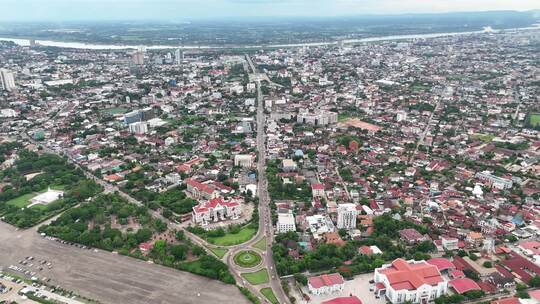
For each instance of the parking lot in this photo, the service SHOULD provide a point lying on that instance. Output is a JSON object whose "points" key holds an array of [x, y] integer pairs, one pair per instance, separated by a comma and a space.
{"points": [[107, 277], [359, 287]]}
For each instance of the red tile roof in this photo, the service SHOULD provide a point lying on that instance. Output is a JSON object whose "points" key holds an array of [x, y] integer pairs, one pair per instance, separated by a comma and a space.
{"points": [[317, 186], [326, 280], [441, 263], [510, 300], [214, 203], [521, 266], [404, 275], [457, 274], [344, 300], [463, 285], [200, 186]]}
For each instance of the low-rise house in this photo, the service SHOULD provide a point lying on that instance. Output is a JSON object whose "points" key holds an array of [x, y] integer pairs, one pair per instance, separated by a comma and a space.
{"points": [[412, 236], [326, 284]]}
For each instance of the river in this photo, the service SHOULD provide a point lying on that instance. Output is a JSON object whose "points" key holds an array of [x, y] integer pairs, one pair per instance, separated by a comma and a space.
{"points": [[89, 46]]}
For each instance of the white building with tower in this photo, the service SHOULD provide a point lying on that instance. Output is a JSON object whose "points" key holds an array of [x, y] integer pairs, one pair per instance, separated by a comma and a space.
{"points": [[346, 218]]}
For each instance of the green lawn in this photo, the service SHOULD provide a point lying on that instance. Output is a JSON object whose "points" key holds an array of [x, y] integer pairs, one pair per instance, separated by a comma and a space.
{"points": [[269, 294], [219, 252], [24, 200], [247, 259], [484, 137], [256, 278], [261, 244], [21, 201], [535, 119], [114, 111], [229, 239]]}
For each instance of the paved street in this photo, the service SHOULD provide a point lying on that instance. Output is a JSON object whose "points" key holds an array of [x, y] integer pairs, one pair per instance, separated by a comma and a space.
{"points": [[111, 278]]}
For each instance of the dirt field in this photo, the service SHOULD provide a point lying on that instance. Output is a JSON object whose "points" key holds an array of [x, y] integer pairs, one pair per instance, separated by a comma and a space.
{"points": [[110, 278]]}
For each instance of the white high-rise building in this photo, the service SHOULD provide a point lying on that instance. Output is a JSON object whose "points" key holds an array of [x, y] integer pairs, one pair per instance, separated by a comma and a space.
{"points": [[178, 56], [346, 216], [138, 58], [7, 80], [138, 127]]}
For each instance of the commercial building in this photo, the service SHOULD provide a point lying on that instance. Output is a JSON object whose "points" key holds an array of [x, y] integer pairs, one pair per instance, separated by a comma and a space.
{"points": [[494, 181], [321, 118], [178, 56], [7, 80], [138, 58], [243, 160], [285, 223], [138, 128], [414, 281], [346, 216]]}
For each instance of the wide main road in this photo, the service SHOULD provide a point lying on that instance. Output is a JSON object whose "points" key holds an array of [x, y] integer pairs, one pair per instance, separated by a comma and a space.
{"points": [[265, 218]]}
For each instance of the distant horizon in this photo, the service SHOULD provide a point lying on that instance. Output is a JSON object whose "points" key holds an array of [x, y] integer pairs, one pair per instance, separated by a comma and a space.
{"points": [[195, 10], [266, 17]]}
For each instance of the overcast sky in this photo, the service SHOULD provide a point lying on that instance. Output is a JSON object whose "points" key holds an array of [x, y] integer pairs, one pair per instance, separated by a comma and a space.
{"points": [[59, 10]]}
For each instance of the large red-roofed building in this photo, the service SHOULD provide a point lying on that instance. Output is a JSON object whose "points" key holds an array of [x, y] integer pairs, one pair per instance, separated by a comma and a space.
{"points": [[215, 210], [414, 281], [198, 190]]}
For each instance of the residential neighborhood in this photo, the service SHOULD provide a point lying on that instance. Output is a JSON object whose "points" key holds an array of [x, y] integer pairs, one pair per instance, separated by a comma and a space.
{"points": [[399, 171]]}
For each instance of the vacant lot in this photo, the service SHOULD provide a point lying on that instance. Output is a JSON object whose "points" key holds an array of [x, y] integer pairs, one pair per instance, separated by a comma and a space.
{"points": [[111, 278]]}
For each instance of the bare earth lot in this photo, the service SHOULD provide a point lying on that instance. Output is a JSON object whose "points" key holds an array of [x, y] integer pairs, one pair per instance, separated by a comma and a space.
{"points": [[110, 278]]}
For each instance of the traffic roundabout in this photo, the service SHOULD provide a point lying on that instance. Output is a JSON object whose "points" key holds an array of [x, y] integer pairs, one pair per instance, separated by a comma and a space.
{"points": [[247, 259]]}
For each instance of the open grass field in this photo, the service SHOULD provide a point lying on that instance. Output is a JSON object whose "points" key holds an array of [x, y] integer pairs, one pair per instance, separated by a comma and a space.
{"points": [[247, 259], [229, 239], [269, 294], [535, 119], [256, 278], [484, 137], [21, 201], [24, 200], [261, 244], [219, 252], [114, 111]]}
